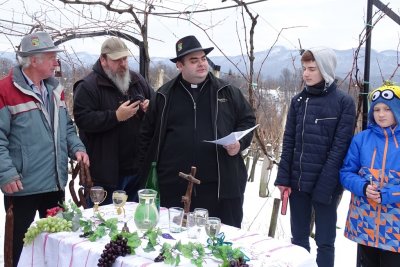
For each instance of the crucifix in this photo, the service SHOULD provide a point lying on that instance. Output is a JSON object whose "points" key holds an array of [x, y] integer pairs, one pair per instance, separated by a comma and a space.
{"points": [[187, 198]]}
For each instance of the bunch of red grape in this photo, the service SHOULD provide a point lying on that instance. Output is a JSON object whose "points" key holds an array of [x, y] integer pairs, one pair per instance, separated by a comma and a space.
{"points": [[238, 263], [113, 250], [159, 258]]}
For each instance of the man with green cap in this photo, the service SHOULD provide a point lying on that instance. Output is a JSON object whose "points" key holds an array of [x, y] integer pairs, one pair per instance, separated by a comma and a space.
{"points": [[36, 137]]}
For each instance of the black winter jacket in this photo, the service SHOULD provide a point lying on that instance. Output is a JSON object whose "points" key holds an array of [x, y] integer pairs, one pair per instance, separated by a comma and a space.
{"points": [[111, 145], [317, 135], [230, 112]]}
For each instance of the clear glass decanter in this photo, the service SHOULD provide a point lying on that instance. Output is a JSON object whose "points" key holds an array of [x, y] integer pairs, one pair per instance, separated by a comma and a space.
{"points": [[146, 213]]}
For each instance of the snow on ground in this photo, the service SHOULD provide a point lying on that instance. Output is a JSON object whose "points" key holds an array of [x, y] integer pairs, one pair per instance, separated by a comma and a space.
{"points": [[257, 212]]}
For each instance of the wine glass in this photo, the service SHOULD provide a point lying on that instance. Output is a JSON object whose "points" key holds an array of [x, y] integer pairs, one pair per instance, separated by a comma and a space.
{"points": [[201, 216], [97, 196], [119, 198], [213, 226]]}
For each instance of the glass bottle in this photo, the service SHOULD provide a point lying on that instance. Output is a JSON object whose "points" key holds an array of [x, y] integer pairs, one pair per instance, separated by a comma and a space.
{"points": [[146, 213], [152, 183]]}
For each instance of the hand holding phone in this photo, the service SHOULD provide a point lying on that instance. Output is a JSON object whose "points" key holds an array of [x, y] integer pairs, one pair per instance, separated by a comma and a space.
{"points": [[136, 98]]}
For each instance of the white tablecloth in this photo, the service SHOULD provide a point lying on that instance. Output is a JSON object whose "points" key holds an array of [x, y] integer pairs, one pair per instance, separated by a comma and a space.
{"points": [[69, 250]]}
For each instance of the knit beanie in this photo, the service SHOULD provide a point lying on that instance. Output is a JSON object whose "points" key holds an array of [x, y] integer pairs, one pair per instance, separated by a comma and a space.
{"points": [[388, 94], [326, 62]]}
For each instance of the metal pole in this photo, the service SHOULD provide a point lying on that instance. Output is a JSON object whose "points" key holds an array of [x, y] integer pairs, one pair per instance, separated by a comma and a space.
{"points": [[366, 84], [367, 63]]}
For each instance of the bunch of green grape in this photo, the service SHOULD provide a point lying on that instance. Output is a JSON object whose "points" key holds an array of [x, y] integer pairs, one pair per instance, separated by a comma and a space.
{"points": [[50, 225]]}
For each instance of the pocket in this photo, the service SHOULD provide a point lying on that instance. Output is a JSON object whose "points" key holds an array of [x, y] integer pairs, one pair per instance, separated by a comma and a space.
{"points": [[16, 157], [330, 121], [19, 157], [25, 160], [326, 127]]}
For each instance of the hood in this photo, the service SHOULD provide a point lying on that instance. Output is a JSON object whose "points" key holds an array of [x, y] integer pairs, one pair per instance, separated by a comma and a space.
{"points": [[326, 62], [388, 94]]}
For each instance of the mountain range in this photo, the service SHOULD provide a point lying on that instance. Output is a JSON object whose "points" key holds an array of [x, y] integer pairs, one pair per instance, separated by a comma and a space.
{"points": [[279, 58]]}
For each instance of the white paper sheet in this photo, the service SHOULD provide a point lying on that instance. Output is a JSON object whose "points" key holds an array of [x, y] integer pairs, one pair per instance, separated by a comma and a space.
{"points": [[232, 137]]}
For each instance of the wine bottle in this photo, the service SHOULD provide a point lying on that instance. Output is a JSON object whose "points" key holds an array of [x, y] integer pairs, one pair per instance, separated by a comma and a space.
{"points": [[152, 182]]}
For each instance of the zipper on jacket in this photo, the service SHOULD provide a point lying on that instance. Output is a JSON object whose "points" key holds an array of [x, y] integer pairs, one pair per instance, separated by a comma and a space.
{"points": [[302, 141], [381, 181], [195, 123], [195, 114], [216, 146], [194, 106], [161, 125], [324, 119]]}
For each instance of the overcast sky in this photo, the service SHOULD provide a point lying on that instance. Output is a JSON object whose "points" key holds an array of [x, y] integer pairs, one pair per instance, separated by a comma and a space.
{"points": [[334, 23]]}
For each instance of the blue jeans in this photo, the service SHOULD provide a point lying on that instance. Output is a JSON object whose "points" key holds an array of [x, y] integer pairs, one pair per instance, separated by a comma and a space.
{"points": [[131, 186], [325, 225]]}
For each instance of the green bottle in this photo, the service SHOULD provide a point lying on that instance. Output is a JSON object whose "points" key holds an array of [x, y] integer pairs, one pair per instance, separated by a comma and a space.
{"points": [[152, 182]]}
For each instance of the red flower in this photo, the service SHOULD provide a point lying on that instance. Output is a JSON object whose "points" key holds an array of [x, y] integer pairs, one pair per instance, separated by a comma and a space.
{"points": [[53, 211]]}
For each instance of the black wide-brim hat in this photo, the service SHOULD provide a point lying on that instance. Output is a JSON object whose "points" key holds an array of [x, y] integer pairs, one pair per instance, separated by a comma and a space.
{"points": [[187, 45]]}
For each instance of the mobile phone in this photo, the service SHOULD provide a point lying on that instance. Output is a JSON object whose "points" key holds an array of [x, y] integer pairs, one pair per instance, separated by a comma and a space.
{"points": [[285, 198], [136, 98]]}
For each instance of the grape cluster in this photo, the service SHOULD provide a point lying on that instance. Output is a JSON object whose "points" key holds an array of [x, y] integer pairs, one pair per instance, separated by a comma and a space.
{"points": [[50, 225], [238, 263], [159, 258], [113, 250]]}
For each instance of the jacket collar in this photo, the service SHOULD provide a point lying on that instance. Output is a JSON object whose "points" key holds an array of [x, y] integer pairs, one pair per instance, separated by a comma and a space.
{"points": [[216, 83], [18, 78], [318, 92]]}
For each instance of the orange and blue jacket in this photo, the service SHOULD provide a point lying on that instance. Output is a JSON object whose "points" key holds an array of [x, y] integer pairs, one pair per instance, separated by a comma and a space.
{"points": [[374, 157]]}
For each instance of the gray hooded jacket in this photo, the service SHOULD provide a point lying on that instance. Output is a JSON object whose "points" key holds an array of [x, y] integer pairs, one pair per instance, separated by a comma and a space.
{"points": [[318, 131]]}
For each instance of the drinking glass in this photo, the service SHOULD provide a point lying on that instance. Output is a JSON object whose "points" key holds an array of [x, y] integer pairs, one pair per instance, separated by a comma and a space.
{"points": [[201, 216], [97, 195], [191, 226], [119, 198], [213, 226], [175, 215]]}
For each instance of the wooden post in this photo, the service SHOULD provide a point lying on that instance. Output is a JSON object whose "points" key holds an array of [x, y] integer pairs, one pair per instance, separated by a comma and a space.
{"points": [[266, 173], [160, 78], [274, 217]]}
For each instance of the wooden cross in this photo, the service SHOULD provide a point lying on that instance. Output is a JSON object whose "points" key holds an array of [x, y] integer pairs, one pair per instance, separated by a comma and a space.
{"points": [[187, 198]]}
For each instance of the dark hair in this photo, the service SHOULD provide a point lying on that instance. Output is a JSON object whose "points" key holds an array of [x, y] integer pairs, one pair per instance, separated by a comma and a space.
{"points": [[307, 56]]}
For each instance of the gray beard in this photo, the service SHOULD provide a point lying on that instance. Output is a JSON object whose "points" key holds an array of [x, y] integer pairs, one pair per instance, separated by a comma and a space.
{"points": [[122, 82]]}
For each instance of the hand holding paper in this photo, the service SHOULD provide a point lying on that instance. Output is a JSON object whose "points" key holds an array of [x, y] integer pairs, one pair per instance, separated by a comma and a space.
{"points": [[232, 137], [233, 149]]}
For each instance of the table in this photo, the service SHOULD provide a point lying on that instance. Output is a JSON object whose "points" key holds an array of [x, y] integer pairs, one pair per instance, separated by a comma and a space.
{"points": [[69, 250]]}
